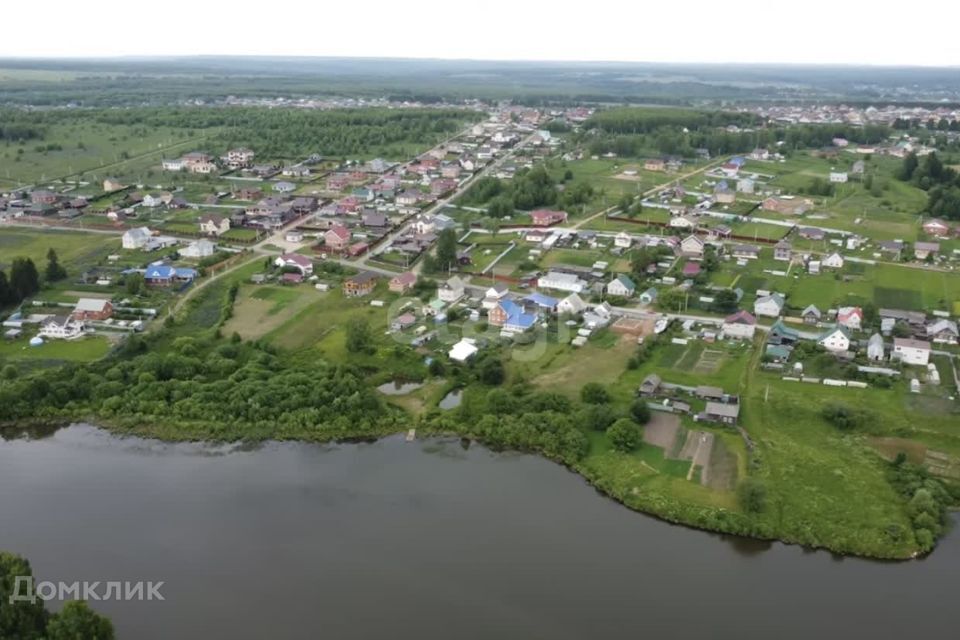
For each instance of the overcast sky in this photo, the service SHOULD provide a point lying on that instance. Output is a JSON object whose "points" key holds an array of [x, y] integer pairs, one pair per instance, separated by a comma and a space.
{"points": [[814, 31]]}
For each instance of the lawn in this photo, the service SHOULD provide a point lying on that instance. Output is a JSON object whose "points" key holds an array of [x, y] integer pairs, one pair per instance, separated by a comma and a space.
{"points": [[76, 250], [260, 309], [84, 349]]}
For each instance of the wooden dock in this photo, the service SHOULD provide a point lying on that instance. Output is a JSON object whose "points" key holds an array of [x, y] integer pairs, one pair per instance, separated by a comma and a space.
{"points": [[411, 434]]}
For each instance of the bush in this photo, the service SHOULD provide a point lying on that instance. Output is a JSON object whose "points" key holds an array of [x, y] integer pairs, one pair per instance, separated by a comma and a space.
{"points": [[640, 412], [752, 496], [624, 435], [594, 393]]}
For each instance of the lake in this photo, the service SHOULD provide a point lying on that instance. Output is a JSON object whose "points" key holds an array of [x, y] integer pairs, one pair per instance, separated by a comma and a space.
{"points": [[420, 540]]}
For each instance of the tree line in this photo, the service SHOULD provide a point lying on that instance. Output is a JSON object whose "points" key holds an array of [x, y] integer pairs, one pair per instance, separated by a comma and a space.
{"points": [[942, 183], [24, 279]]}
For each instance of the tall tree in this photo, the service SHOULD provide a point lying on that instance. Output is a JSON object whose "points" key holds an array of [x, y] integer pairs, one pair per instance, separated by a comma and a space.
{"points": [[446, 250], [24, 279], [77, 621], [6, 293], [55, 270]]}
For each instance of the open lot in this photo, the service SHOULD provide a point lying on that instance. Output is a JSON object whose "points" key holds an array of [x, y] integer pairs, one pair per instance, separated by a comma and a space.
{"points": [[259, 309]]}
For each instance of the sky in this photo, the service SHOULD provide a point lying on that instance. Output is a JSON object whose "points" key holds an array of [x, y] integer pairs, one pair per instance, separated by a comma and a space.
{"points": [[747, 31]]}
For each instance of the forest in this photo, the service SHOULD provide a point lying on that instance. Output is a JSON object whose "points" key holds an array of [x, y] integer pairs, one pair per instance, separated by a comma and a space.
{"points": [[942, 184]]}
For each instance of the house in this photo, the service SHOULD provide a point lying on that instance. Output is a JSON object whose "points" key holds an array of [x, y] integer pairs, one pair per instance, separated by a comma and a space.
{"points": [[294, 236], [463, 350], [655, 164], [136, 238], [61, 327], [935, 227], [786, 205], [542, 302], [562, 282], [649, 296], [782, 251], [741, 324], [546, 217], [811, 315], [875, 348], [723, 194], [159, 275], [623, 240], [850, 317], [401, 283], [770, 306], [892, 247], [682, 222], [375, 220], [291, 278], [238, 158], [511, 316], [621, 286], [214, 224], [924, 250], [284, 187], [835, 339], [112, 184], [303, 264], [337, 238], [407, 198], [360, 285], [692, 247], [650, 385], [296, 171], [781, 334], [943, 331], [451, 290], [745, 252], [691, 270], [838, 177], [249, 193], [494, 295], [746, 185], [720, 413], [92, 309], [832, 261], [175, 164], [858, 168], [573, 304], [403, 321], [200, 249], [908, 351], [812, 233], [153, 200]]}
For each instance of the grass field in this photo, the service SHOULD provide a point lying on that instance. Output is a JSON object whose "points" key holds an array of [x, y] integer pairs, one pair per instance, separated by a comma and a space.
{"points": [[75, 250], [84, 349], [260, 309]]}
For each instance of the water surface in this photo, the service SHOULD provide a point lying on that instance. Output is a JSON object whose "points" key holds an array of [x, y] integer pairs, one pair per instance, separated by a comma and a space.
{"points": [[421, 540]]}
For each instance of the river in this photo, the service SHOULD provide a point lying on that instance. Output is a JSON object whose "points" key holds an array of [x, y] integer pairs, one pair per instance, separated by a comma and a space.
{"points": [[420, 540]]}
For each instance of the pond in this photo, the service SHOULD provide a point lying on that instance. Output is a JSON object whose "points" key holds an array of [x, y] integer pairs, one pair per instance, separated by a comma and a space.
{"points": [[430, 539], [451, 400], [398, 388]]}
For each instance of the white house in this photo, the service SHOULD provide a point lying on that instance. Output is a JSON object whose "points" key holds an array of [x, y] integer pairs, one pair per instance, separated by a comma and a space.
{"points": [[494, 295], [451, 290], [875, 349], [681, 222], [649, 296], [741, 325], [152, 200], [911, 351], [621, 286], [572, 304], [943, 330], [832, 261], [836, 340], [61, 327], [746, 185], [562, 282], [303, 264], [202, 248], [176, 164], [136, 238], [214, 225], [623, 240], [838, 177], [463, 350], [850, 317], [770, 306], [692, 247]]}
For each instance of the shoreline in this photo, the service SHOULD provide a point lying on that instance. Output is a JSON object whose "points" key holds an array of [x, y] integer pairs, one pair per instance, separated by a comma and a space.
{"points": [[158, 433]]}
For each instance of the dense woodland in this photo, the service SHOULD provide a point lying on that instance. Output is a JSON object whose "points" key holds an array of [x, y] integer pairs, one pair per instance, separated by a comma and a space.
{"points": [[273, 133], [942, 184]]}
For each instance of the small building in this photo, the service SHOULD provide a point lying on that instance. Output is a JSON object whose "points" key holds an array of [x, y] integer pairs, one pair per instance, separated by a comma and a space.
{"points": [[562, 282], [745, 252], [909, 351], [770, 306], [721, 413], [136, 238], [649, 296], [497, 292], [943, 331], [112, 184], [924, 250], [360, 285], [746, 185], [936, 227], [740, 325], [623, 240], [92, 309], [875, 348], [832, 261], [301, 263], [61, 327], [783, 250], [850, 317], [463, 350], [202, 248], [546, 217], [573, 304], [838, 177], [692, 247], [284, 187], [337, 238], [650, 385], [691, 270], [214, 224], [621, 286], [655, 164], [403, 282], [451, 290], [811, 315], [511, 317], [835, 339]]}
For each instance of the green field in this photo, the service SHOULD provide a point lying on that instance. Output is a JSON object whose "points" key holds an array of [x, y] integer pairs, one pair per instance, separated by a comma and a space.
{"points": [[53, 352]]}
